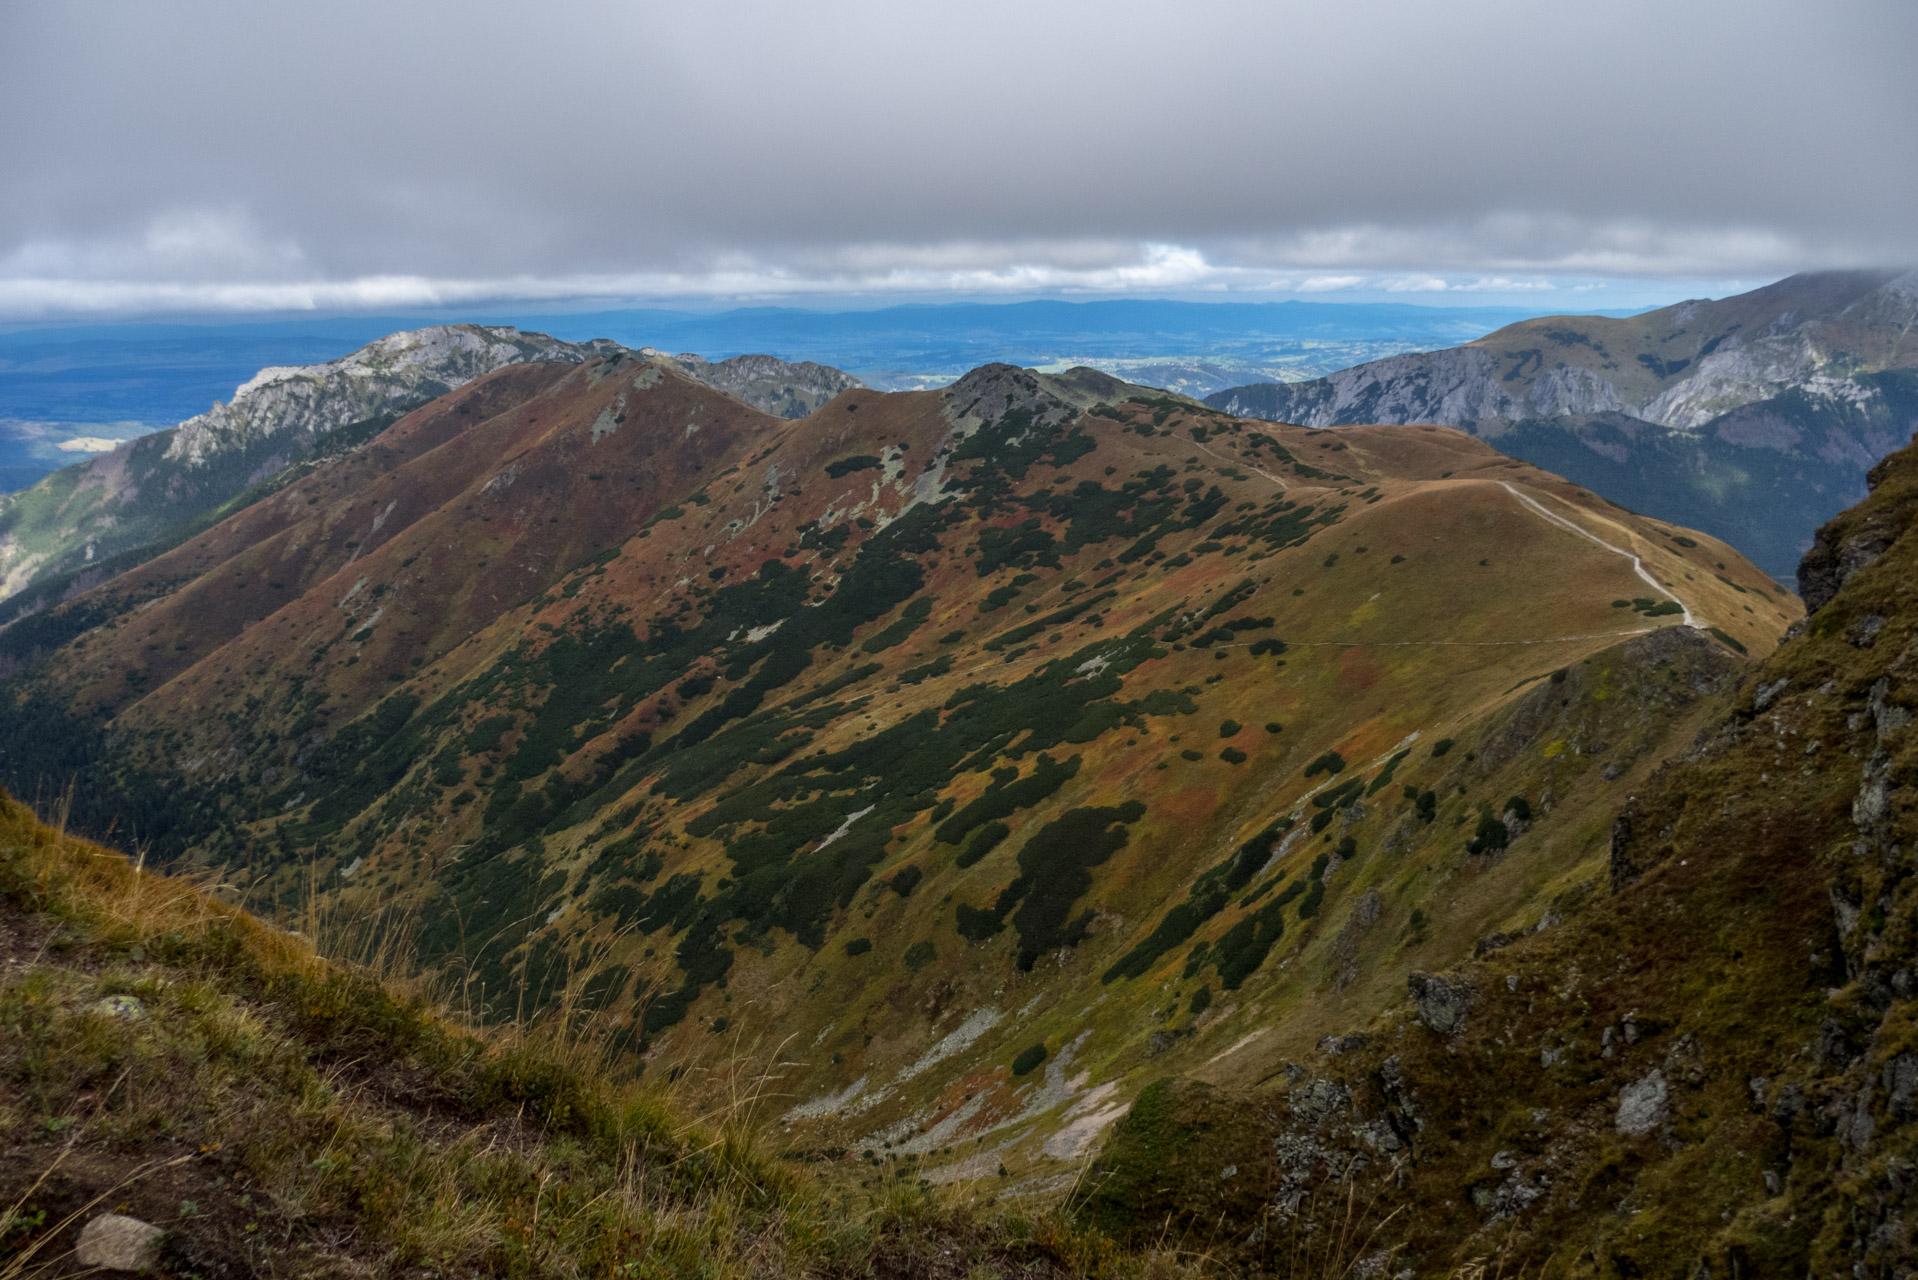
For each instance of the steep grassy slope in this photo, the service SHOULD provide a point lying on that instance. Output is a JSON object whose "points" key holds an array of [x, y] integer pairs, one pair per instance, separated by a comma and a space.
{"points": [[164, 1055], [1754, 417], [1708, 1069], [925, 736]]}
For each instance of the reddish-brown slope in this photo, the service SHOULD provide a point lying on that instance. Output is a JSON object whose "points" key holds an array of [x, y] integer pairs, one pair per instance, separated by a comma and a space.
{"points": [[468, 506], [524, 572]]}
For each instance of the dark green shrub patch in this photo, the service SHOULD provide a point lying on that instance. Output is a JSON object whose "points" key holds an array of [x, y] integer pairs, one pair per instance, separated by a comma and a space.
{"points": [[1025, 545], [1206, 899], [918, 675], [1330, 762], [1340, 796], [1055, 867], [1491, 836], [1385, 775], [1244, 947], [846, 466], [910, 620], [983, 842], [1007, 793]]}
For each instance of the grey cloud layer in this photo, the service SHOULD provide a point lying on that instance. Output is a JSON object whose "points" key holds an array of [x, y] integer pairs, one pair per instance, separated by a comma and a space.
{"points": [[583, 141]]}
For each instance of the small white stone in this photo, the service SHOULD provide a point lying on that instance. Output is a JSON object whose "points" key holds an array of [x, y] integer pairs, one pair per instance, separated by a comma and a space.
{"points": [[114, 1242], [125, 1008]]}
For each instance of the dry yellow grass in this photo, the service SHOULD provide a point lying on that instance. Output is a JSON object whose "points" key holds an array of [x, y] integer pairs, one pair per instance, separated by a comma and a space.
{"points": [[291, 1114]]}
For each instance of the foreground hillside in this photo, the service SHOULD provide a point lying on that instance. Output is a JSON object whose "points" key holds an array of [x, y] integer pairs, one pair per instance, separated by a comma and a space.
{"points": [[1754, 417], [969, 757], [258, 1111], [1709, 1069]]}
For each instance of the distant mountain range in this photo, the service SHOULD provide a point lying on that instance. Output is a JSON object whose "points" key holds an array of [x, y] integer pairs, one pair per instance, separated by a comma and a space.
{"points": [[94, 518], [1754, 417], [1189, 347], [121, 380]]}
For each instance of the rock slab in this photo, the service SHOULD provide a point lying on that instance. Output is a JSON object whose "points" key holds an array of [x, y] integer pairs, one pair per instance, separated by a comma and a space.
{"points": [[114, 1242]]}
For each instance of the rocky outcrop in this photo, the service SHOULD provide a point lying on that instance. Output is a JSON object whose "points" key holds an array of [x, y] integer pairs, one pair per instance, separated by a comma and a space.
{"points": [[395, 373], [784, 389], [115, 1242], [991, 391], [1857, 538]]}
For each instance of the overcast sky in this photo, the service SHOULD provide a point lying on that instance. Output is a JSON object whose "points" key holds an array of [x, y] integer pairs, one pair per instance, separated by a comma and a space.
{"points": [[203, 155]]}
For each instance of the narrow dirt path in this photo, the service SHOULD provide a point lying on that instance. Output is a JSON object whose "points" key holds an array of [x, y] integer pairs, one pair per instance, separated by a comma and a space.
{"points": [[1236, 463], [1638, 566]]}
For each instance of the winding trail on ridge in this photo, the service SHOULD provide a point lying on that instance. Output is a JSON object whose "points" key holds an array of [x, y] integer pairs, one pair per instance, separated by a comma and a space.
{"points": [[1638, 566]]}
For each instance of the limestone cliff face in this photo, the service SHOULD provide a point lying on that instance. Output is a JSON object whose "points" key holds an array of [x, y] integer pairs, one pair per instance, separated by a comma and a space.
{"points": [[779, 387], [1710, 362], [399, 371]]}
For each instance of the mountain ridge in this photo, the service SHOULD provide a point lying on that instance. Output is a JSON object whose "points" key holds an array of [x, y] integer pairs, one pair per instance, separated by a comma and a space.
{"points": [[92, 519], [1763, 410], [897, 727]]}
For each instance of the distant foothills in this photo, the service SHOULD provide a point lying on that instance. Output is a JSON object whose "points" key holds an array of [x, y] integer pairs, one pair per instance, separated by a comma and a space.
{"points": [[160, 372]]}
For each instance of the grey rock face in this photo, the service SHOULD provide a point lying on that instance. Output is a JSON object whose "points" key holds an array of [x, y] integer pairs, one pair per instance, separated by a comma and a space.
{"points": [[1833, 559], [123, 1008], [399, 371], [988, 392], [771, 384], [1441, 1000], [114, 1242], [1459, 385], [1644, 1105]]}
